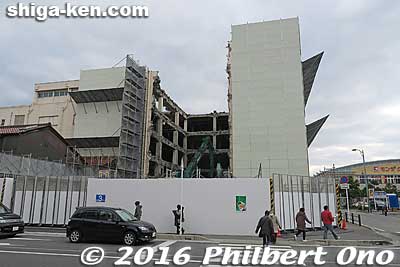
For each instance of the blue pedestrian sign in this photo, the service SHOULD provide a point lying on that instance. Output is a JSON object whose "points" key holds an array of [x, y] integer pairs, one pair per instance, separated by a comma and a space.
{"points": [[344, 180], [100, 198]]}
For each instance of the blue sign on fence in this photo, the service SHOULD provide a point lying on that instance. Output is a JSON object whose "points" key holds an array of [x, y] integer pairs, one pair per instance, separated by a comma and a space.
{"points": [[100, 198]]}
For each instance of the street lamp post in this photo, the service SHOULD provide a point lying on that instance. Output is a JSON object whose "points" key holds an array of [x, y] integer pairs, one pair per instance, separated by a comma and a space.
{"points": [[365, 174]]}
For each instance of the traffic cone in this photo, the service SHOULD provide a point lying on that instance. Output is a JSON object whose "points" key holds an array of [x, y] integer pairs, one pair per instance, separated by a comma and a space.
{"points": [[279, 233], [344, 225]]}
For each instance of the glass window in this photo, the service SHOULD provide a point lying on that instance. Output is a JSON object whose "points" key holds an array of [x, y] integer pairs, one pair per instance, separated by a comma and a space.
{"points": [[3, 122], [3, 209], [57, 93], [105, 215], [89, 214], [125, 215]]}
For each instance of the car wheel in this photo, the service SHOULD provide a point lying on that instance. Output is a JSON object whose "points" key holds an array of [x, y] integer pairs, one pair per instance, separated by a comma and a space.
{"points": [[129, 239], [75, 236]]}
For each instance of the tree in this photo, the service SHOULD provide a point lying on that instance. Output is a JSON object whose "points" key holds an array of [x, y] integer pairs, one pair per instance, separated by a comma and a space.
{"points": [[354, 188], [390, 189]]}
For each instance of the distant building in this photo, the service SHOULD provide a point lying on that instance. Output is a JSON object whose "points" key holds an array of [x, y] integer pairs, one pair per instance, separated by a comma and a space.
{"points": [[51, 104], [38, 141], [380, 172]]}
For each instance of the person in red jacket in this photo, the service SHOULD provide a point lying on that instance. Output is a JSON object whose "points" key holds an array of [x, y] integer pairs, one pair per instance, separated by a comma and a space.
{"points": [[327, 219]]}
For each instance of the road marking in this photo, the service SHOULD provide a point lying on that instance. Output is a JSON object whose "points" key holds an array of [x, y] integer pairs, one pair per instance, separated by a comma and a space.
{"points": [[4, 244], [251, 245], [164, 244], [48, 254], [243, 247], [29, 239], [45, 234], [378, 229], [69, 255]]}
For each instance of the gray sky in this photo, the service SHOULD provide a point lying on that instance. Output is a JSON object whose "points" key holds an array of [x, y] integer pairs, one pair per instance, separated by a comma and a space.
{"points": [[357, 82]]}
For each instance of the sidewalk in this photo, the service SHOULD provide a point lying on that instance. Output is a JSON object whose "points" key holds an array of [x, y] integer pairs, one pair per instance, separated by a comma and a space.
{"points": [[354, 235]]}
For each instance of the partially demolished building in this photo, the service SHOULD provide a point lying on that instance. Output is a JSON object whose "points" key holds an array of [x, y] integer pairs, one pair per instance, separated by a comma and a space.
{"points": [[123, 122]]}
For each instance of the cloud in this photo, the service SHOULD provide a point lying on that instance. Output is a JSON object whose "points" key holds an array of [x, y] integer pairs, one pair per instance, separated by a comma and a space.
{"points": [[185, 41]]}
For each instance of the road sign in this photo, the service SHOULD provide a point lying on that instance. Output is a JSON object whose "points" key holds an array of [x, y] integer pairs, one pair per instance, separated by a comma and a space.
{"points": [[100, 198], [344, 186], [344, 180]]}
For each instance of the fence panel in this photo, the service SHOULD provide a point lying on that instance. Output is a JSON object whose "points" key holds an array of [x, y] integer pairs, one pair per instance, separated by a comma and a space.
{"points": [[48, 200], [293, 192]]}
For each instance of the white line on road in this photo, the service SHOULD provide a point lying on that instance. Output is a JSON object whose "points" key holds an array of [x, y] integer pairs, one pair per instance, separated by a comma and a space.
{"points": [[29, 239], [45, 234], [68, 255], [164, 244], [48, 254], [378, 229], [4, 244]]}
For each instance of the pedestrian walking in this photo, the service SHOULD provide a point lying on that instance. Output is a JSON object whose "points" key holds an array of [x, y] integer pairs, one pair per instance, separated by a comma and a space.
{"points": [[301, 219], [178, 218], [138, 210], [265, 228], [328, 219], [276, 225]]}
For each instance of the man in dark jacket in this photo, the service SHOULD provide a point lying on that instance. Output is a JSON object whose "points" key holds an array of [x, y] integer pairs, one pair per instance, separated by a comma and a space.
{"points": [[301, 219], [265, 228], [138, 210], [178, 213]]}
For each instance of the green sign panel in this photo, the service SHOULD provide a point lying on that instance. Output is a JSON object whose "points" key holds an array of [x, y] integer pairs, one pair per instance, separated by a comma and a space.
{"points": [[241, 203]]}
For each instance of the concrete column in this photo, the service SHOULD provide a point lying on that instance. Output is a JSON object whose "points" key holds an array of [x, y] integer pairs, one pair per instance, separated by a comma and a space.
{"points": [[175, 158], [185, 159], [159, 143], [160, 127], [214, 123], [177, 118], [160, 103], [175, 155]]}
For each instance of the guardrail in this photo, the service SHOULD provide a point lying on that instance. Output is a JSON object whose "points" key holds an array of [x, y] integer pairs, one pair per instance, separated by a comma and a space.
{"points": [[353, 219]]}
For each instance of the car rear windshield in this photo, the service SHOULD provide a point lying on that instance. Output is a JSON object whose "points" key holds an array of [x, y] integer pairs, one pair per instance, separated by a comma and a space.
{"points": [[3, 209], [125, 215]]}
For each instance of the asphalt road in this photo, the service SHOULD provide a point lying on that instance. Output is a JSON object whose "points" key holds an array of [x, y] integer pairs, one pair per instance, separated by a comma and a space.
{"points": [[386, 225], [43, 249]]}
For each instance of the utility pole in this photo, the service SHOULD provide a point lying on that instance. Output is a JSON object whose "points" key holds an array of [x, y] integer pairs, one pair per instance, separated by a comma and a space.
{"points": [[365, 175]]}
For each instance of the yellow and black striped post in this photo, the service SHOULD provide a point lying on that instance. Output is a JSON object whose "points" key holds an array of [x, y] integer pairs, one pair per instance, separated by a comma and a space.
{"points": [[272, 194], [3, 189], [339, 211]]}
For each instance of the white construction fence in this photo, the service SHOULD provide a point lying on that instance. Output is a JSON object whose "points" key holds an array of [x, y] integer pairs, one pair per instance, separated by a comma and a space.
{"points": [[229, 206]]}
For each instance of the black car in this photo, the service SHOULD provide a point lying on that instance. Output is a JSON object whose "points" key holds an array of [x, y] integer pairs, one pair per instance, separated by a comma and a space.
{"points": [[108, 224], [10, 223]]}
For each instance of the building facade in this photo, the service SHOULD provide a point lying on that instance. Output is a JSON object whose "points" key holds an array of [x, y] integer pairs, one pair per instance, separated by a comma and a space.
{"points": [[51, 104], [380, 173], [269, 86]]}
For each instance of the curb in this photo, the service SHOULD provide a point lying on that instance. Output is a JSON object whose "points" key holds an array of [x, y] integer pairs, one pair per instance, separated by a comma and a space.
{"points": [[347, 242], [183, 237]]}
